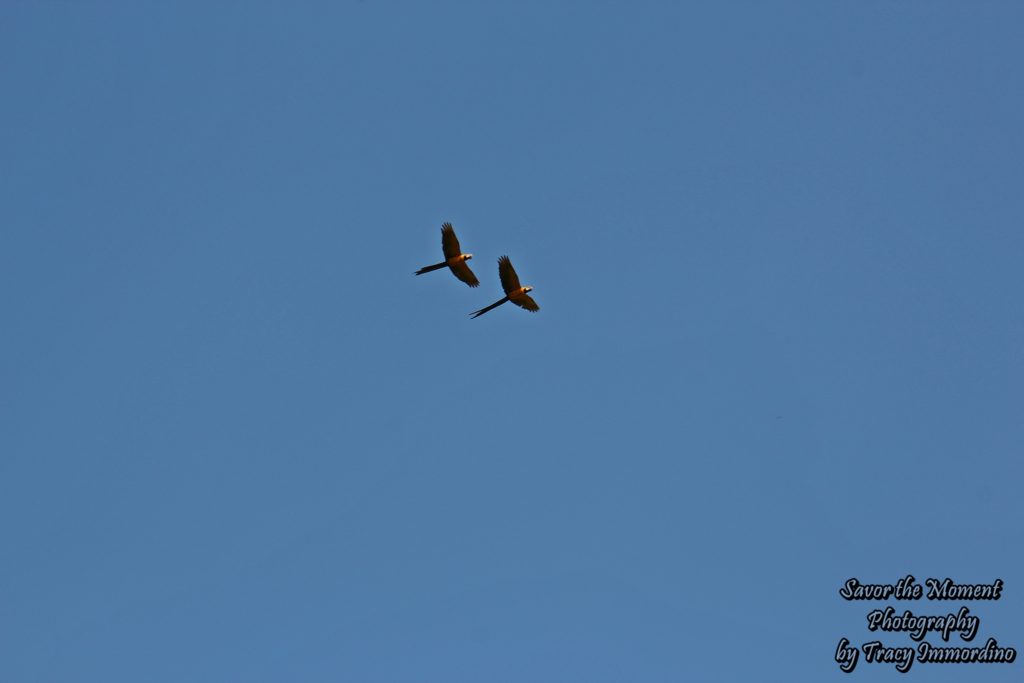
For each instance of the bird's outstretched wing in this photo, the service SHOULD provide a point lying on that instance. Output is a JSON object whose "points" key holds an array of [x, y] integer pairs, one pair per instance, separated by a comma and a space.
{"points": [[524, 301], [449, 242], [462, 271], [509, 279]]}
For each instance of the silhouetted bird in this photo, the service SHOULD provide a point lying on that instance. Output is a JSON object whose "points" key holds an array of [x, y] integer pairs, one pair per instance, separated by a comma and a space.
{"points": [[454, 258], [514, 292]]}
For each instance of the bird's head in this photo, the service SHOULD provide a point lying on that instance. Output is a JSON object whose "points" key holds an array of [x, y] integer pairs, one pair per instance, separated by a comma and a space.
{"points": [[466, 257], [527, 288]]}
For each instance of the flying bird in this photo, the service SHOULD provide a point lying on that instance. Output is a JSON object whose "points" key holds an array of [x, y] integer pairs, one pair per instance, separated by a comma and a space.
{"points": [[455, 260], [514, 292]]}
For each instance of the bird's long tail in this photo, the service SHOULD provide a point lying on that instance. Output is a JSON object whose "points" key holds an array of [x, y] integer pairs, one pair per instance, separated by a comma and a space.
{"points": [[427, 269], [477, 314]]}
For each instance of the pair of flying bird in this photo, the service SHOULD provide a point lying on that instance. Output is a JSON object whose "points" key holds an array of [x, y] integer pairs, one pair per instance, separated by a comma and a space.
{"points": [[455, 261]]}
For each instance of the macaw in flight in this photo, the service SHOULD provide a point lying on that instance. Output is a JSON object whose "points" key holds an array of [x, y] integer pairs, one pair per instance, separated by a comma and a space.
{"points": [[455, 260], [514, 292]]}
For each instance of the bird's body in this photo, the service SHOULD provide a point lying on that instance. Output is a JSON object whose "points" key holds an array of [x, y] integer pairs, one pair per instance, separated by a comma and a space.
{"points": [[455, 260], [514, 291]]}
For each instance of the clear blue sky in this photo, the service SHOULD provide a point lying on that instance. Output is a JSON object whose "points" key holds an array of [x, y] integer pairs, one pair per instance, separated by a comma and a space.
{"points": [[778, 253]]}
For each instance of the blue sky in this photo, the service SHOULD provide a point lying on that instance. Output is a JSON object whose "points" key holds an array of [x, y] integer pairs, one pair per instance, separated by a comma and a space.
{"points": [[777, 249]]}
